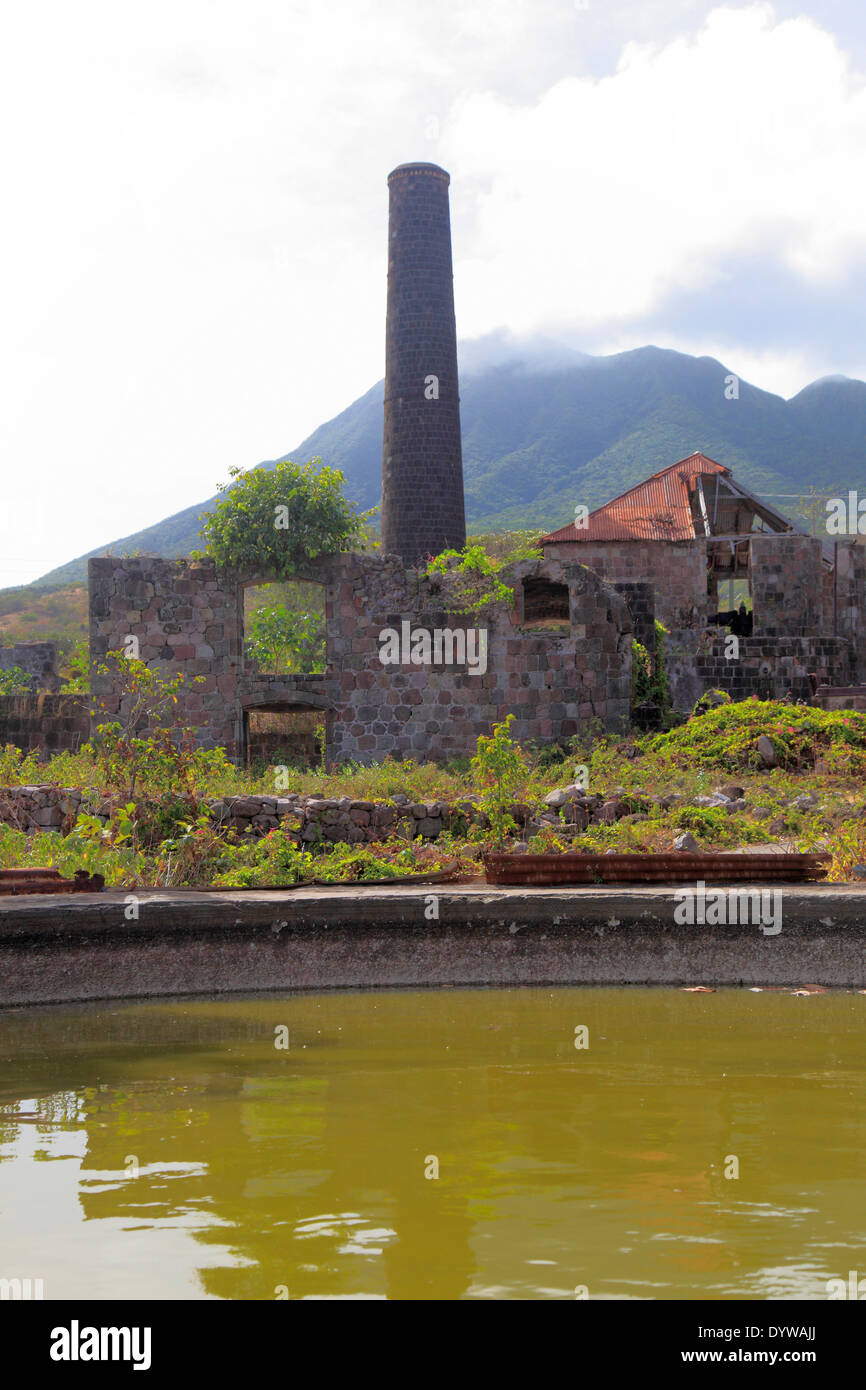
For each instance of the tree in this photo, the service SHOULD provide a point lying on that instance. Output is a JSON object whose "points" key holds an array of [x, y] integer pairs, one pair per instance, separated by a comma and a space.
{"points": [[501, 769], [166, 756], [287, 638], [272, 519]]}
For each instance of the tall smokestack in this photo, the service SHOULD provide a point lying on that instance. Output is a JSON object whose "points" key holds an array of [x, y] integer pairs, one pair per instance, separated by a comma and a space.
{"points": [[422, 463]]}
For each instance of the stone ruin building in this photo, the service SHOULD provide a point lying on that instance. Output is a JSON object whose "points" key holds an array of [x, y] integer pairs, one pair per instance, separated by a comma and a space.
{"points": [[690, 531], [559, 657], [552, 674]]}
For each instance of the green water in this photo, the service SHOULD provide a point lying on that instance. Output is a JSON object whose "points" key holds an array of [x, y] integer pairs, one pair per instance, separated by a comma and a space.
{"points": [[171, 1150]]}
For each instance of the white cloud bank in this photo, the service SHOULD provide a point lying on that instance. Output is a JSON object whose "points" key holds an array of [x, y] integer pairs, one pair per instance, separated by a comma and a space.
{"points": [[192, 256], [604, 197]]}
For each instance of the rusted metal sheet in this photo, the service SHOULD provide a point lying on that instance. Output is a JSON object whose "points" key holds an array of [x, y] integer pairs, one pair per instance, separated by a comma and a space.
{"points": [[658, 509], [676, 868], [17, 881]]}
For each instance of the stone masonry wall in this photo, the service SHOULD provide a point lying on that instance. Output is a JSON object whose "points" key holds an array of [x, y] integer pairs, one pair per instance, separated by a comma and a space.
{"points": [[770, 667], [188, 619], [851, 606], [551, 682], [676, 570], [311, 819], [786, 581], [793, 604], [640, 598], [50, 723]]}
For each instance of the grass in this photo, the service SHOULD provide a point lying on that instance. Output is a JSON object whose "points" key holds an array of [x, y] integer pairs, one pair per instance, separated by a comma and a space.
{"points": [[819, 752]]}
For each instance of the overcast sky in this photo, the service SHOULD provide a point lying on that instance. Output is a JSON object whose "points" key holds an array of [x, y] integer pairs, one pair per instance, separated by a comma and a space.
{"points": [[194, 219]]}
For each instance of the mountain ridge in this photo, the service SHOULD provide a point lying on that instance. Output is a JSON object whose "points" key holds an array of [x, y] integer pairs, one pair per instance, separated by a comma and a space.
{"points": [[546, 427]]}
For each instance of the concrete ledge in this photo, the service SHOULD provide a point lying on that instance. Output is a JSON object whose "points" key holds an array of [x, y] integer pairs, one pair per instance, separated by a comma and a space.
{"points": [[56, 948]]}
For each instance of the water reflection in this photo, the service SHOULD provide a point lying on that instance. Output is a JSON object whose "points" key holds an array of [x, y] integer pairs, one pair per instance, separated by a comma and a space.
{"points": [[174, 1151]]}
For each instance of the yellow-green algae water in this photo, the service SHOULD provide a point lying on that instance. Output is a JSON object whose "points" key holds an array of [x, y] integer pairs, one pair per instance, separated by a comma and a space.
{"points": [[173, 1150]]}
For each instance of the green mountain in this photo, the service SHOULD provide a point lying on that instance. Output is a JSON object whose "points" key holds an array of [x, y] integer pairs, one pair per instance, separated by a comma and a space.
{"points": [[545, 428]]}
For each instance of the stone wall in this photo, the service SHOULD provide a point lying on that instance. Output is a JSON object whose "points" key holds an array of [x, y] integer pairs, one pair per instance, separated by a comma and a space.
{"points": [[551, 682], [800, 610], [841, 697], [640, 598], [312, 819], [677, 571], [38, 660], [41, 807], [188, 619], [850, 605], [787, 585], [50, 723], [770, 667]]}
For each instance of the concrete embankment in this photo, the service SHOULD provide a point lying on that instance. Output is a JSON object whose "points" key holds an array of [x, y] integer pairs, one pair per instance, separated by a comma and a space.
{"points": [[91, 946]]}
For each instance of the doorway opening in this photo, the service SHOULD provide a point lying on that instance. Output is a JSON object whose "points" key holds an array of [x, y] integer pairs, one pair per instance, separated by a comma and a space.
{"points": [[289, 736]]}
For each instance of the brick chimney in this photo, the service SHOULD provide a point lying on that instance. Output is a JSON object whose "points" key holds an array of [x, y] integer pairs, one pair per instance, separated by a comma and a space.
{"points": [[422, 463]]}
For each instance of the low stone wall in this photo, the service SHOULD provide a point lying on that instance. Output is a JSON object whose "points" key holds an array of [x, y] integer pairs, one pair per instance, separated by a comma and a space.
{"points": [[841, 697], [40, 807], [311, 819], [49, 723], [344, 820], [314, 819]]}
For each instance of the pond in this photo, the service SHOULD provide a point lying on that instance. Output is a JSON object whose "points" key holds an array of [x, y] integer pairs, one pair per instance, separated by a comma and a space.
{"points": [[483, 1144]]}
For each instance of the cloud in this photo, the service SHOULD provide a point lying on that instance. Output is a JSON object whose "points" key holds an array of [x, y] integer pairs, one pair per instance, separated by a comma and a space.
{"points": [[609, 200], [193, 257]]}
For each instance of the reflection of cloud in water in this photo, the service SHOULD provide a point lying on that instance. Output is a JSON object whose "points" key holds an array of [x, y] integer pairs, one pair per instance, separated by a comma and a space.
{"points": [[361, 1241]]}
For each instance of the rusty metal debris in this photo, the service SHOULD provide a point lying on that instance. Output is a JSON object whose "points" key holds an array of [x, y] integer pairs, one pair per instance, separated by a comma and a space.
{"points": [[676, 868], [17, 881]]}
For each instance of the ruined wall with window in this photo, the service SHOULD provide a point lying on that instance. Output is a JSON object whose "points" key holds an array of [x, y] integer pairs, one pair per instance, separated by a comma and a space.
{"points": [[807, 614], [556, 657], [676, 569]]}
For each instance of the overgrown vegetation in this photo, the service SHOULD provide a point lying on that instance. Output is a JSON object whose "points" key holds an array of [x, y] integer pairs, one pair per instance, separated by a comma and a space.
{"points": [[160, 832], [273, 519], [284, 638], [500, 768], [14, 681], [475, 571], [726, 738], [75, 669], [649, 672]]}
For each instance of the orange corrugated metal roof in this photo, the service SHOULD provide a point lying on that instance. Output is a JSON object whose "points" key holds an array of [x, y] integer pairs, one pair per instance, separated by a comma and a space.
{"points": [[658, 509]]}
